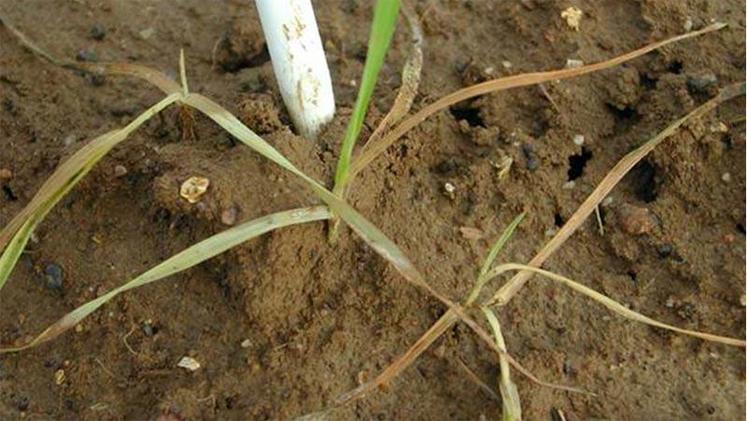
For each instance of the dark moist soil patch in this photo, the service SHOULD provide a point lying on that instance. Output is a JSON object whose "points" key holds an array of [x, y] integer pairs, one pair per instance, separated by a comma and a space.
{"points": [[316, 320]]}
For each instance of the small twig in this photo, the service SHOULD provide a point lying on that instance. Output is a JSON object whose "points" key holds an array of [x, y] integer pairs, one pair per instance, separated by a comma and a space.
{"points": [[124, 339], [103, 367], [599, 220], [183, 73], [547, 95], [558, 415]]}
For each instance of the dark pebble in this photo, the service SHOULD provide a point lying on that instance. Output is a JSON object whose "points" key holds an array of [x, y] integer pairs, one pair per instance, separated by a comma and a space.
{"points": [[149, 329], [96, 79], [229, 141], [447, 167], [23, 403], [86, 55], [665, 250], [97, 32], [10, 106], [687, 311], [532, 162], [53, 276], [567, 367], [701, 83]]}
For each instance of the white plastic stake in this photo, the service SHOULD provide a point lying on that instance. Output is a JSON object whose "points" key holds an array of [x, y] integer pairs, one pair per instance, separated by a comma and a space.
{"points": [[299, 62]]}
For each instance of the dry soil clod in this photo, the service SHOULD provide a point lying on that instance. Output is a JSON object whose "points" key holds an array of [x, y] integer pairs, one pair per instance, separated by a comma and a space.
{"points": [[229, 215], [636, 220], [471, 233], [120, 171]]}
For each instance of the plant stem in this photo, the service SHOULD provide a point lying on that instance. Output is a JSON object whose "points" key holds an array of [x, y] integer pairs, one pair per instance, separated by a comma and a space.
{"points": [[382, 29]]}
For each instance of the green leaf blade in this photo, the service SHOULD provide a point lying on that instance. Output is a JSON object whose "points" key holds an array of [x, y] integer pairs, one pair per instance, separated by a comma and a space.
{"points": [[382, 30], [15, 235]]}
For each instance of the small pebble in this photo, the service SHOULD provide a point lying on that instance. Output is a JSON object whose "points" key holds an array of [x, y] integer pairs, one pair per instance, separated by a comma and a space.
{"points": [[146, 33], [608, 201], [193, 188], [664, 250], [688, 25], [471, 233], [507, 64], [23, 404], [449, 189], [96, 79], [79, 328], [569, 185], [53, 276], [572, 63], [120, 171], [743, 300], [246, 343], [728, 238], [69, 139], [229, 215], [5, 174], [701, 83], [532, 161], [188, 363], [447, 166], [59, 377], [567, 367], [148, 328], [86, 55], [254, 366], [579, 139], [726, 177], [362, 377], [97, 32], [636, 220]]}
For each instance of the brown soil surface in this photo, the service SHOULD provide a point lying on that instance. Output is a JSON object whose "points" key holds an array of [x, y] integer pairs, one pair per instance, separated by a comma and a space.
{"points": [[318, 319]]}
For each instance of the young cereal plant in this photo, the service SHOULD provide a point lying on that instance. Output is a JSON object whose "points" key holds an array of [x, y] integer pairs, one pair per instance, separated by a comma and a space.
{"points": [[15, 235]]}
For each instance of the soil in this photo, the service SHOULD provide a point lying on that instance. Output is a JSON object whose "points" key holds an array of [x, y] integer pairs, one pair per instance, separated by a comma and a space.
{"points": [[285, 323]]}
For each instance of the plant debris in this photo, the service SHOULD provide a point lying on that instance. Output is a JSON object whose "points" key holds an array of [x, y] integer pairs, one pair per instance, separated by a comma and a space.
{"points": [[194, 188], [572, 16], [188, 363]]}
